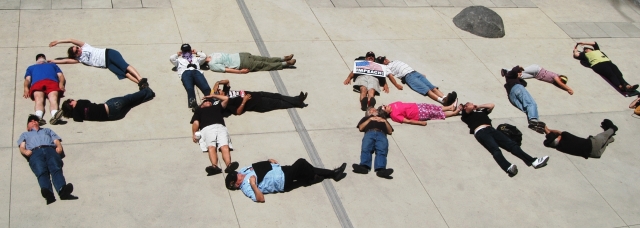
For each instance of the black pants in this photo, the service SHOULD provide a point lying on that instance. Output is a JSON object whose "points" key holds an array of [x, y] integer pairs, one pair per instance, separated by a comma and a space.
{"points": [[273, 101], [611, 72], [302, 171], [492, 140], [120, 106]]}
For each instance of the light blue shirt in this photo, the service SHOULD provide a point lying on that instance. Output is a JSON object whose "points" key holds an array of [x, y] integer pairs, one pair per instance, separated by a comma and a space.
{"points": [[221, 60], [272, 182], [42, 137]]}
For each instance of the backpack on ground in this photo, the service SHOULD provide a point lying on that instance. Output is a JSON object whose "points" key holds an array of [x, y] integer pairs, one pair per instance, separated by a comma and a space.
{"points": [[512, 132]]}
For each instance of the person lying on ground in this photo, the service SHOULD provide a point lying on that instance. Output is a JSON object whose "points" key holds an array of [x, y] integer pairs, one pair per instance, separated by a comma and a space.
{"points": [[535, 71], [590, 147], [601, 64]]}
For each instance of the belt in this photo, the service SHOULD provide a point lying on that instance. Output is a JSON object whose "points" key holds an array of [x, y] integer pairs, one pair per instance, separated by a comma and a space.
{"points": [[374, 129], [42, 147]]}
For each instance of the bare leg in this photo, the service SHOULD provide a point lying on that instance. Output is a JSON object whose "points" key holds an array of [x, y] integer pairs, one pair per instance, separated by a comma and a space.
{"points": [[38, 97], [437, 92], [134, 73], [226, 155], [53, 101], [213, 157], [363, 92], [371, 93]]}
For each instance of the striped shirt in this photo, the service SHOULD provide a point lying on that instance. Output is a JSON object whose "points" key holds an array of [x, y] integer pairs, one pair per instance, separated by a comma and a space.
{"points": [[399, 69]]}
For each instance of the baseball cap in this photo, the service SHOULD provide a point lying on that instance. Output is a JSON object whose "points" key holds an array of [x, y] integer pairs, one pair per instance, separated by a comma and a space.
{"points": [[33, 117], [185, 48], [380, 59], [370, 54], [230, 180], [40, 56]]}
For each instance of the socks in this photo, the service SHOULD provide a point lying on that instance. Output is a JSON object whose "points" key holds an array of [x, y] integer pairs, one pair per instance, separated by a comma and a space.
{"points": [[39, 113], [440, 99], [53, 113], [284, 63]]}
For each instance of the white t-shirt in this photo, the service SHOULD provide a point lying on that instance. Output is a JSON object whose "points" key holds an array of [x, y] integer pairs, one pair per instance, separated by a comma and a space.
{"points": [[93, 56], [399, 69]]}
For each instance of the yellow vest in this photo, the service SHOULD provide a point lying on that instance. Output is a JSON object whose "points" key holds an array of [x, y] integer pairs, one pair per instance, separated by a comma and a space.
{"points": [[595, 57]]}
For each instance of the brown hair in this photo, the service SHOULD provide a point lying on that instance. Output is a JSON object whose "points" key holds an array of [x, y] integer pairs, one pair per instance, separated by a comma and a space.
{"points": [[71, 53], [67, 109]]}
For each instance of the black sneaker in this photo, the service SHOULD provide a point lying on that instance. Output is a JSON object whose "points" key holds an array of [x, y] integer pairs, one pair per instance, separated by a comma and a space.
{"points": [[42, 122], [384, 173], [65, 192], [512, 170], [56, 118], [232, 166], [450, 98], [607, 124], [361, 169], [363, 104], [48, 195], [174, 69], [143, 84], [372, 103], [192, 104], [338, 172], [537, 126], [211, 170]]}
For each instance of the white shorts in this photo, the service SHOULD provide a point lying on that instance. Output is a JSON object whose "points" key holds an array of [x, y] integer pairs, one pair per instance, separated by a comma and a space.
{"points": [[215, 135], [371, 82]]}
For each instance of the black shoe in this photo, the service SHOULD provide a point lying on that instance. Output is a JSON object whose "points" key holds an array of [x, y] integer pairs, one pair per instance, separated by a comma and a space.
{"points": [[42, 122], [56, 118], [512, 170], [192, 104], [633, 88], [361, 169], [302, 97], [537, 126], [174, 69], [450, 98], [372, 103], [205, 67], [607, 124], [212, 170], [363, 104], [65, 192], [48, 195], [337, 173], [143, 84], [384, 173], [232, 166]]}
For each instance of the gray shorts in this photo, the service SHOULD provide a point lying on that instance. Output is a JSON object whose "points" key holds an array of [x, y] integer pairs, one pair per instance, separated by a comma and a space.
{"points": [[368, 81], [215, 135]]}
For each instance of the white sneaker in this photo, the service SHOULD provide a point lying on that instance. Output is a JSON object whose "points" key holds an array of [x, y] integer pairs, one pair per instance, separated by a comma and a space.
{"points": [[540, 162], [512, 170]]}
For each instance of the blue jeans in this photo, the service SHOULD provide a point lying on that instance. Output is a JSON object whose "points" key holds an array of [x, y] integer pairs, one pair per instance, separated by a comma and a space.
{"points": [[193, 77], [492, 140], [374, 141], [120, 106], [116, 63], [46, 164], [520, 97], [419, 83]]}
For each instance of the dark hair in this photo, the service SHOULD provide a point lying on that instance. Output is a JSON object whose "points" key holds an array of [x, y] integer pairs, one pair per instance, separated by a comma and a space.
{"points": [[40, 56], [514, 72], [381, 59], [32, 117], [382, 113], [370, 54], [71, 53], [230, 180], [67, 109]]}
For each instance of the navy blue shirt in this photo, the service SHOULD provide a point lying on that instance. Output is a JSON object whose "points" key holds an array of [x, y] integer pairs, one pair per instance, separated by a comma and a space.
{"points": [[42, 137]]}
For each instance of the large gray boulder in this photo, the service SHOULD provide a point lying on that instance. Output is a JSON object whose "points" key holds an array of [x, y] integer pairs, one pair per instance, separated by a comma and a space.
{"points": [[481, 21]]}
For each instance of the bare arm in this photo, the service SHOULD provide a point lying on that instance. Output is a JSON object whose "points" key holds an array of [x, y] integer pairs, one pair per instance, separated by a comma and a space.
{"points": [[364, 124], [195, 127], [73, 41], [240, 109], [23, 149], [547, 131], [221, 82], [562, 85], [348, 80], [414, 122], [587, 43], [393, 81], [256, 190], [236, 71], [63, 61], [58, 146], [633, 104], [223, 99], [488, 106], [27, 84], [62, 82]]}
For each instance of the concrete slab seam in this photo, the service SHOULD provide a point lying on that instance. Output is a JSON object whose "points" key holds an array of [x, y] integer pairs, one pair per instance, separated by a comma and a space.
{"points": [[336, 203], [596, 189], [419, 180], [13, 125]]}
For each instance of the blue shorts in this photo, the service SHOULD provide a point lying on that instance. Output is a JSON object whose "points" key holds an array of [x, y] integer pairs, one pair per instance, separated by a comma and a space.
{"points": [[116, 64], [419, 83]]}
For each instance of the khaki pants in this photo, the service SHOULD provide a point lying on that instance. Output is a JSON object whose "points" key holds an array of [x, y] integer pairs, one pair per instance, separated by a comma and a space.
{"points": [[600, 142], [259, 63]]}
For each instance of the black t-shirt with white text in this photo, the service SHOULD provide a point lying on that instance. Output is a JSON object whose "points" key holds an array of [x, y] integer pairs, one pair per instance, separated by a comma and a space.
{"points": [[208, 115]]}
